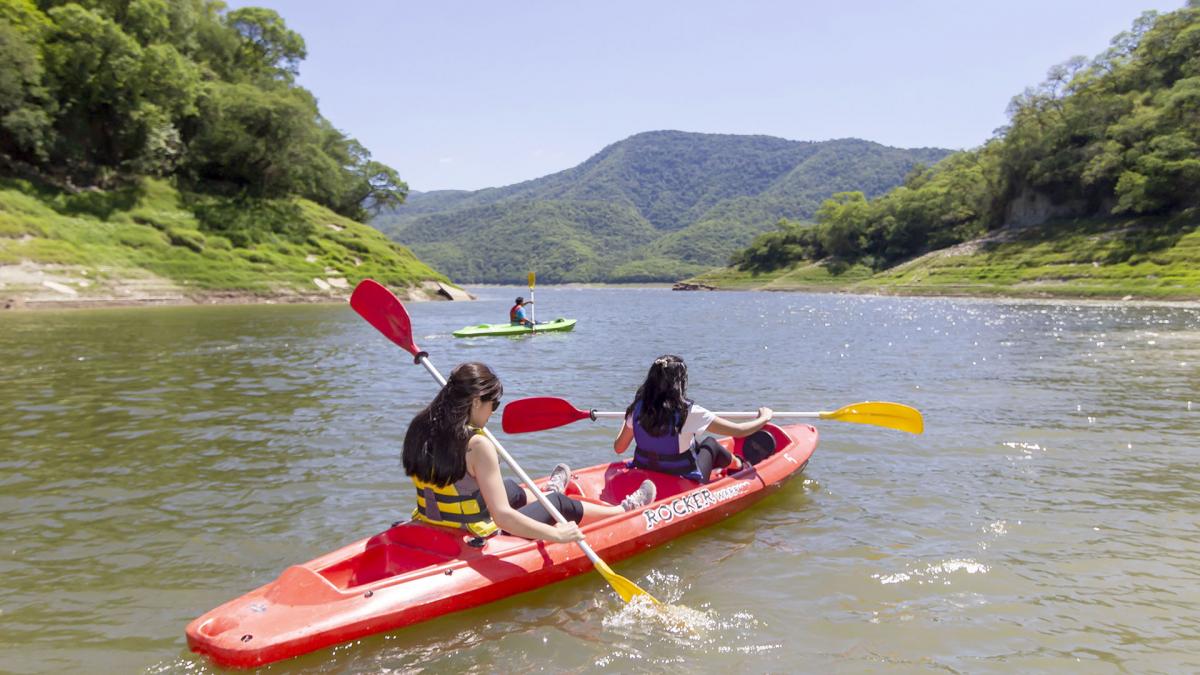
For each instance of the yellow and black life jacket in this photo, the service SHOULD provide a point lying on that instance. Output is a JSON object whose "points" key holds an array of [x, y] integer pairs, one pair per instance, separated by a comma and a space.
{"points": [[457, 505]]}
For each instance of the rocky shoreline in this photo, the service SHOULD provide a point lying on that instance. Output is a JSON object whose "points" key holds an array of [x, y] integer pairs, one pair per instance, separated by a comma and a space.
{"points": [[30, 286], [689, 286]]}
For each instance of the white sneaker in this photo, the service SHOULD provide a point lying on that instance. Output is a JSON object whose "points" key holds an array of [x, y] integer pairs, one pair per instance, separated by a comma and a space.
{"points": [[640, 497], [558, 479]]}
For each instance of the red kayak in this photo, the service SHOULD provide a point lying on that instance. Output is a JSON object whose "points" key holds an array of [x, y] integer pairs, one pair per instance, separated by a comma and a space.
{"points": [[415, 572]]}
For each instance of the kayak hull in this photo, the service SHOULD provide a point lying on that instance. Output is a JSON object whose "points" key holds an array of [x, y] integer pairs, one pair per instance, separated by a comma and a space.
{"points": [[414, 572], [504, 329]]}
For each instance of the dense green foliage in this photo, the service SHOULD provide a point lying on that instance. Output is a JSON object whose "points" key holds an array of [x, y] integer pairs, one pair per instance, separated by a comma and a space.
{"points": [[658, 206], [1147, 257], [151, 234], [98, 93], [1117, 135]]}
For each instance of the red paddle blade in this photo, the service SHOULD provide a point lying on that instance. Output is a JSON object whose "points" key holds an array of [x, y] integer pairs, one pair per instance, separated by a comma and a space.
{"points": [[383, 310], [539, 413]]}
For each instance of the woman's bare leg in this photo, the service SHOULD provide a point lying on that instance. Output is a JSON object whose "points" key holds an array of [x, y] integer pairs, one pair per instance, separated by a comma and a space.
{"points": [[590, 509]]}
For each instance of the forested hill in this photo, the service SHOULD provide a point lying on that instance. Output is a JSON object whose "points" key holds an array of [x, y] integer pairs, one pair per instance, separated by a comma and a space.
{"points": [[169, 138], [1112, 141], [657, 206], [99, 93]]}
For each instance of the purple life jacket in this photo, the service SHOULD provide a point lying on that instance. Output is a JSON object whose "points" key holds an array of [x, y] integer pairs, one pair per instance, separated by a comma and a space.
{"points": [[661, 453]]}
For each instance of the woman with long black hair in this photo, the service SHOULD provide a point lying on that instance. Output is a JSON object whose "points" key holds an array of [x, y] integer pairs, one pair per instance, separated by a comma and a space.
{"points": [[666, 425], [456, 469]]}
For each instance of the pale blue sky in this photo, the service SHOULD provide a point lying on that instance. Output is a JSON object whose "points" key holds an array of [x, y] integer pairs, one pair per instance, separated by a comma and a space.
{"points": [[469, 95]]}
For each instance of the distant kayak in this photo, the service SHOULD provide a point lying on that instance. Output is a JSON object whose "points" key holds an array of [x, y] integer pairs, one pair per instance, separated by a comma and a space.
{"points": [[488, 329]]}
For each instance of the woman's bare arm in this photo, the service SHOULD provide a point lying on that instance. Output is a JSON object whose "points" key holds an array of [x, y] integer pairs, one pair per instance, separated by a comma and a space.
{"points": [[621, 444], [486, 464], [723, 427]]}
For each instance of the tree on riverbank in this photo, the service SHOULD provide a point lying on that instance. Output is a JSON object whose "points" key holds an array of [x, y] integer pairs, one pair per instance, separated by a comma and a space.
{"points": [[1116, 135], [99, 93]]}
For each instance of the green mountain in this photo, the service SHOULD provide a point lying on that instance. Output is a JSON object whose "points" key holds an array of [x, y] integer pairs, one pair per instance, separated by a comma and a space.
{"points": [[657, 206]]}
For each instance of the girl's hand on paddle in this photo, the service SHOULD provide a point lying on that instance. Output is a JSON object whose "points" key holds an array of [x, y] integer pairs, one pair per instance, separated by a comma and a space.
{"points": [[566, 532], [765, 414]]}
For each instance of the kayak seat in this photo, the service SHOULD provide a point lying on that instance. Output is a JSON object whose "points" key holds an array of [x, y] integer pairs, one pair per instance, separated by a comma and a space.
{"points": [[379, 562], [574, 489], [442, 541], [620, 480], [758, 446], [404, 548], [299, 585], [761, 444]]}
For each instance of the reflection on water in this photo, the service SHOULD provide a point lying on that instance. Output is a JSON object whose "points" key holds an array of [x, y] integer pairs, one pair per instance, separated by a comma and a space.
{"points": [[155, 463]]}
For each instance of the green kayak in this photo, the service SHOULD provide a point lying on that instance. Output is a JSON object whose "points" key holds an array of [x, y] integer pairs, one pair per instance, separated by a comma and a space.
{"points": [[488, 329]]}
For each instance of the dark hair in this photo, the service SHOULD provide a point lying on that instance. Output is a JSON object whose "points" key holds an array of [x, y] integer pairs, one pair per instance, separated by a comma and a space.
{"points": [[520, 300], [665, 404], [435, 446]]}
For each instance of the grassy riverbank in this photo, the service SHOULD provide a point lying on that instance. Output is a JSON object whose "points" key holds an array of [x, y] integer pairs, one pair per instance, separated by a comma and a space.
{"points": [[1152, 259], [154, 245]]}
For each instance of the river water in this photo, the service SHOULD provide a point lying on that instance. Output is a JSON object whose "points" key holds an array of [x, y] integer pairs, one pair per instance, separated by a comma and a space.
{"points": [[157, 462]]}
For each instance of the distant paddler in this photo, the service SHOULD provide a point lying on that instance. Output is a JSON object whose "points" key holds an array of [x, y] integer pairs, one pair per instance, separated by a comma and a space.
{"points": [[516, 315]]}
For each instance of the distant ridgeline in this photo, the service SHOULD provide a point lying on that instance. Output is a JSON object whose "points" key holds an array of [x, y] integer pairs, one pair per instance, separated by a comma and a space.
{"points": [[658, 206], [1114, 137]]}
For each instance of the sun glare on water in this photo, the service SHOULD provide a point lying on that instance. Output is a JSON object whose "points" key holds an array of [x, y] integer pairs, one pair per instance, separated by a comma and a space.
{"points": [[648, 627], [645, 614]]}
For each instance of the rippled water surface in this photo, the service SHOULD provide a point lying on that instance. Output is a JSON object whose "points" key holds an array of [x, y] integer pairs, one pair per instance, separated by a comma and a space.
{"points": [[155, 463]]}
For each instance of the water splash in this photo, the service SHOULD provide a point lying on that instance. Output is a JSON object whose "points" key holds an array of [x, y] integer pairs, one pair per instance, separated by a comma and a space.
{"points": [[680, 620], [650, 629], [669, 616]]}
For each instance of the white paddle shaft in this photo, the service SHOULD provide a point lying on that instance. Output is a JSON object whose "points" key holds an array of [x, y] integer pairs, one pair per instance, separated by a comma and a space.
{"points": [[728, 415], [512, 463]]}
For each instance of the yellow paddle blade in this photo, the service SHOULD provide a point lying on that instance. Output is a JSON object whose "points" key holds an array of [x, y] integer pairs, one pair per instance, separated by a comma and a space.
{"points": [[880, 414], [624, 587], [532, 278]]}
